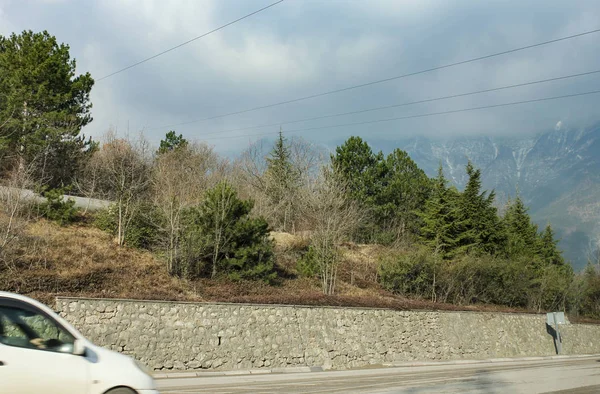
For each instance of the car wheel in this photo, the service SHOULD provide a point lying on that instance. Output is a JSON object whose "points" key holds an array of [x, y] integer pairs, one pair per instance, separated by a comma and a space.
{"points": [[121, 390]]}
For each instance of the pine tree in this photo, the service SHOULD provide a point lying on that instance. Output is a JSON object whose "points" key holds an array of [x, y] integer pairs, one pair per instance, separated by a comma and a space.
{"points": [[522, 237], [480, 228], [439, 218], [360, 169], [43, 107], [548, 248], [220, 237], [405, 188], [172, 142], [282, 185], [363, 172]]}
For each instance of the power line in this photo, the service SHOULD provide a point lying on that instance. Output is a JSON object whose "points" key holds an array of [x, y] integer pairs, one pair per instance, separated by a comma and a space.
{"points": [[405, 104], [386, 79], [414, 116], [188, 41]]}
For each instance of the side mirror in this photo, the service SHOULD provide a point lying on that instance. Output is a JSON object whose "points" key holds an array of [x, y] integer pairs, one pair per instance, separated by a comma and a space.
{"points": [[78, 348]]}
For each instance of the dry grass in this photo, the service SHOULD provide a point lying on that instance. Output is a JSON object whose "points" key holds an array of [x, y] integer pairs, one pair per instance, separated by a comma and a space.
{"points": [[286, 241], [83, 261]]}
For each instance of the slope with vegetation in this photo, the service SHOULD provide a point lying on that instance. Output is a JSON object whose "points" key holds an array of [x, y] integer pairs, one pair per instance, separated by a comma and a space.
{"points": [[280, 224]]}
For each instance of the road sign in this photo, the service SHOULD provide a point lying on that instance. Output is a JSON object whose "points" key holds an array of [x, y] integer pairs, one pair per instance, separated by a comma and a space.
{"points": [[554, 318]]}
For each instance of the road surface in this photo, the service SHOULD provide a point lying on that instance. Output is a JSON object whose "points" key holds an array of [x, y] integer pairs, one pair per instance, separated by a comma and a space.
{"points": [[91, 204], [573, 376]]}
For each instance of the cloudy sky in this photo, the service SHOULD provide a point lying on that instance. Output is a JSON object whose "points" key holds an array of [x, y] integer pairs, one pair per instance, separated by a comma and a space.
{"points": [[304, 47]]}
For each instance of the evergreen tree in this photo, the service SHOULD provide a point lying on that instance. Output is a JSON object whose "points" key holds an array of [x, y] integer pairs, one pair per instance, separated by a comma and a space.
{"points": [[391, 188], [480, 228], [439, 218], [404, 191], [360, 168], [548, 248], [43, 107], [522, 237], [220, 237], [282, 185], [172, 142]]}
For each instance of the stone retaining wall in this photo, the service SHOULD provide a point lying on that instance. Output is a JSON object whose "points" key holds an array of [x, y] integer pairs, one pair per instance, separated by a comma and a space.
{"points": [[171, 335]]}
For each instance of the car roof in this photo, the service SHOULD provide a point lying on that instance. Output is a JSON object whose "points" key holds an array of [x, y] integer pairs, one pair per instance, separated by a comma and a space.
{"points": [[15, 296]]}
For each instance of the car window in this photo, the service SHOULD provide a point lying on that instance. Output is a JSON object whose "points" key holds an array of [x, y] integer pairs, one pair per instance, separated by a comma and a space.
{"points": [[28, 329]]}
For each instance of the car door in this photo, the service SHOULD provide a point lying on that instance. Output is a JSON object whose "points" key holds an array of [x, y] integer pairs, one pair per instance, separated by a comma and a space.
{"points": [[36, 353]]}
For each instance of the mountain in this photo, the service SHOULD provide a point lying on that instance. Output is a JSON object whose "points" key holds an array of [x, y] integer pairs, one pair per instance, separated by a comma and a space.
{"points": [[557, 173]]}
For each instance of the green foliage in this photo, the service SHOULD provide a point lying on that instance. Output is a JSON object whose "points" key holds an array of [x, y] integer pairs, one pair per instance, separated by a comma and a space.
{"points": [[439, 218], [405, 188], [549, 287], [480, 227], [522, 233], [455, 223], [142, 229], [360, 168], [55, 207], [308, 265], [408, 273], [585, 294], [548, 248], [392, 188], [473, 279], [172, 142], [43, 106], [220, 237]]}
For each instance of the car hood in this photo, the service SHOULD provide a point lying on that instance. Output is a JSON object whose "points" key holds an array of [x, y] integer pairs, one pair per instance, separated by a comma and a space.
{"points": [[111, 369]]}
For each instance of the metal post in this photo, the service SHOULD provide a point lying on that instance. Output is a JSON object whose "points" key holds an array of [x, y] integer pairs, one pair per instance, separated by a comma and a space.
{"points": [[558, 338]]}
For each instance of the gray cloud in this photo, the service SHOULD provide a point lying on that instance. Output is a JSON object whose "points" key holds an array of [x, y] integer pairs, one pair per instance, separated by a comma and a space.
{"points": [[304, 47]]}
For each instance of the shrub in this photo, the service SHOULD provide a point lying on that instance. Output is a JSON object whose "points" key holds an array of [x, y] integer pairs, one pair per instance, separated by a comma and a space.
{"points": [[220, 237], [55, 207], [409, 273], [308, 265], [141, 232]]}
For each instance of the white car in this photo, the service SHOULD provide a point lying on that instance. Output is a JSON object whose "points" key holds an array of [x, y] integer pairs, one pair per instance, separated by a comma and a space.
{"points": [[41, 353]]}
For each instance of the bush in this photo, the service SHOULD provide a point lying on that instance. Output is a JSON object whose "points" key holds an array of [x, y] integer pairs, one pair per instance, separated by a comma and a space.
{"points": [[55, 208], [469, 279], [308, 265], [141, 232], [409, 273], [220, 237]]}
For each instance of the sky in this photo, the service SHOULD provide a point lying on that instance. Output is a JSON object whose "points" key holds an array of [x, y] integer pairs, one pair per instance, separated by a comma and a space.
{"points": [[305, 47]]}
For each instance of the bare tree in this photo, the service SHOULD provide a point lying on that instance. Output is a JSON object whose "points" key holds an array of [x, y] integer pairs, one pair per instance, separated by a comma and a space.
{"points": [[123, 169], [307, 157], [180, 178], [333, 217], [88, 183], [14, 197]]}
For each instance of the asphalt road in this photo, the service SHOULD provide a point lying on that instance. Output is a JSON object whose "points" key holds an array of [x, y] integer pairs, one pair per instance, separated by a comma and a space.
{"points": [[573, 376], [91, 204]]}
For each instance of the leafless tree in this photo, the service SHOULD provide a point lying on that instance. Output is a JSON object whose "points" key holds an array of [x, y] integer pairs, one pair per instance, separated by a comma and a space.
{"points": [[307, 157], [14, 197], [123, 169], [180, 178], [87, 183], [333, 217]]}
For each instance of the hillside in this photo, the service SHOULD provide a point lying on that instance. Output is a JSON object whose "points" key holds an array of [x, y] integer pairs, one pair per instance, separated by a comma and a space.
{"points": [[557, 174], [83, 261]]}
